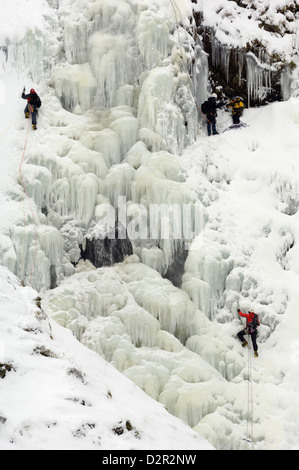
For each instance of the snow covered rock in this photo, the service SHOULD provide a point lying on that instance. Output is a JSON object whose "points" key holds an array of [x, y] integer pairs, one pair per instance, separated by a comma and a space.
{"points": [[252, 47]]}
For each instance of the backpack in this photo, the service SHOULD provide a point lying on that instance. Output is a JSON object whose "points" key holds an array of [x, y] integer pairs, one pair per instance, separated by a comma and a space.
{"points": [[204, 107], [38, 101], [35, 100], [237, 106], [254, 322]]}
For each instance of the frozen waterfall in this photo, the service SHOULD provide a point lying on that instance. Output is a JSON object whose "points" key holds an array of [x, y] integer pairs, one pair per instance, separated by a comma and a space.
{"points": [[131, 104]]}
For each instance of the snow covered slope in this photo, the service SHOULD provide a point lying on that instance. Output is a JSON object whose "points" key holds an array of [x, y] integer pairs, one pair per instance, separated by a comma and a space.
{"points": [[251, 175], [56, 394]]}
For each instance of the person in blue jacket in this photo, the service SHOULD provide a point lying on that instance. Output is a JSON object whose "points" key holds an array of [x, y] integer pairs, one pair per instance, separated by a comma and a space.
{"points": [[33, 104]]}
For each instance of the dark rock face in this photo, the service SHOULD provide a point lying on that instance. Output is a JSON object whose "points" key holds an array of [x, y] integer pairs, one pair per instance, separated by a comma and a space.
{"points": [[4, 368], [176, 269], [233, 70], [250, 71], [107, 251], [53, 277]]}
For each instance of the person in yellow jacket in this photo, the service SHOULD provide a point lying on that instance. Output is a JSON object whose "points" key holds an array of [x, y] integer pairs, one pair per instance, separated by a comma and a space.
{"points": [[237, 106]]}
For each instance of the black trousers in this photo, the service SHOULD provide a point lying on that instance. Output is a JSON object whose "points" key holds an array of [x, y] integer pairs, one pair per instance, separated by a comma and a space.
{"points": [[211, 123], [253, 338], [236, 117]]}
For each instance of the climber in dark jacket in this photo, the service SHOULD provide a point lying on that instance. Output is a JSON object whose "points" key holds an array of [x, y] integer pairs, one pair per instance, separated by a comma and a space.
{"points": [[252, 323], [33, 103], [209, 109]]}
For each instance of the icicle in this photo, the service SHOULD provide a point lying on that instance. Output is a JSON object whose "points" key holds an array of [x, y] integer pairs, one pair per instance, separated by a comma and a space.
{"points": [[75, 86], [37, 180], [200, 74], [259, 82], [106, 142], [221, 57], [113, 63], [286, 84], [152, 38]]}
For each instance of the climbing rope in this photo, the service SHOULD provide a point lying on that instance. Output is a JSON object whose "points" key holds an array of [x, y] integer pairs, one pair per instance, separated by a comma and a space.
{"points": [[223, 124], [23, 274], [250, 398]]}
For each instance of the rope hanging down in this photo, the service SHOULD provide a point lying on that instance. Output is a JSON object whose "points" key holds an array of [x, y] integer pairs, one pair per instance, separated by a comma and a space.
{"points": [[250, 398], [32, 213]]}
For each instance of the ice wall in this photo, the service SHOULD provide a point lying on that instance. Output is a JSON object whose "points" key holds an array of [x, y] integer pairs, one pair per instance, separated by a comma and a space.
{"points": [[141, 66], [206, 270], [259, 78], [151, 332], [127, 72], [200, 72], [248, 73], [251, 47], [136, 90], [31, 51]]}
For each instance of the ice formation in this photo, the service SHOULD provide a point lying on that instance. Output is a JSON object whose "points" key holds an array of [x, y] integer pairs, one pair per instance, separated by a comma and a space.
{"points": [[251, 44], [74, 399], [130, 103], [259, 81]]}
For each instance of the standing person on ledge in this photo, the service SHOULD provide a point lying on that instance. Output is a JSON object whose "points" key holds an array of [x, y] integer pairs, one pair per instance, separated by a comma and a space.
{"points": [[209, 109]]}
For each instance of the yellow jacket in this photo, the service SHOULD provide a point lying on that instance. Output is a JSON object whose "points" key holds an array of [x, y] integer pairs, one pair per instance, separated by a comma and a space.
{"points": [[236, 105]]}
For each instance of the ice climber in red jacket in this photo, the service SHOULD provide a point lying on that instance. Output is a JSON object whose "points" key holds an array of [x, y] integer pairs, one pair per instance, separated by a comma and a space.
{"points": [[33, 103], [252, 323]]}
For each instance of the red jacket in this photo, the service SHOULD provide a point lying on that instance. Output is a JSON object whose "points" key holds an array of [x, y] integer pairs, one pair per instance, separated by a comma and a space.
{"points": [[248, 316]]}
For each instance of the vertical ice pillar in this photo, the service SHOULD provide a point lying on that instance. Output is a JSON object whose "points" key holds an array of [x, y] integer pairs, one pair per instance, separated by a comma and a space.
{"points": [[200, 73], [286, 83], [259, 79], [221, 57]]}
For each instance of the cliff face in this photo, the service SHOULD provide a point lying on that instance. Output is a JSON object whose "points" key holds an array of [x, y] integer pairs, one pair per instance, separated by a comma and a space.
{"points": [[252, 47]]}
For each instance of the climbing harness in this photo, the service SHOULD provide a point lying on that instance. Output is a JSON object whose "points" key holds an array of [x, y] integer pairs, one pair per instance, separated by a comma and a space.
{"points": [[249, 428], [204, 115], [23, 274]]}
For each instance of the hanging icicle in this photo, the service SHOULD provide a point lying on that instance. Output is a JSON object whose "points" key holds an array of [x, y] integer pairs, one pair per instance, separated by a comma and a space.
{"points": [[259, 78], [221, 57]]}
